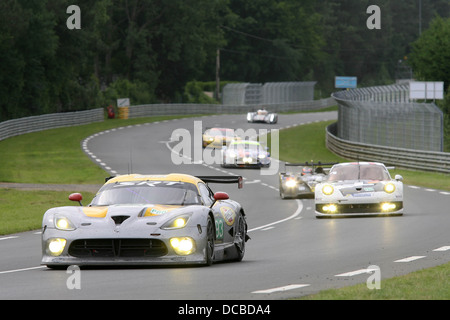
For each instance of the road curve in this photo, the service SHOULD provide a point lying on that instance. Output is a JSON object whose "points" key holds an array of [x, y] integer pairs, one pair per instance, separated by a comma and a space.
{"points": [[291, 253]]}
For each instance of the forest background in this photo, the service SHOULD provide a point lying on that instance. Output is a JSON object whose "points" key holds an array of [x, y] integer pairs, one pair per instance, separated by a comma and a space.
{"points": [[164, 51]]}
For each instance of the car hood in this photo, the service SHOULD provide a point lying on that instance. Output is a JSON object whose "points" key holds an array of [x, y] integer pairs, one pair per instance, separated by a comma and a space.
{"points": [[132, 210], [359, 186]]}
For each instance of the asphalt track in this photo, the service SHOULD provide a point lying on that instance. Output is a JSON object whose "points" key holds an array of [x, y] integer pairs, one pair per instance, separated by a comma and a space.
{"points": [[291, 253]]}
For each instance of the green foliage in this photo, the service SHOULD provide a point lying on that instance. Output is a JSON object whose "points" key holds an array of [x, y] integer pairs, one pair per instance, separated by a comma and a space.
{"points": [[194, 92], [430, 55], [150, 50]]}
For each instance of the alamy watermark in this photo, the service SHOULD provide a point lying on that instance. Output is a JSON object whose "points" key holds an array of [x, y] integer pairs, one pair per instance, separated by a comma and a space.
{"points": [[74, 280], [374, 280], [74, 21], [374, 21]]}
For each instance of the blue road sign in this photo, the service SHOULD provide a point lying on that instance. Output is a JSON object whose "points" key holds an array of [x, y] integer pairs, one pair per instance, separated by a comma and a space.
{"points": [[346, 82]]}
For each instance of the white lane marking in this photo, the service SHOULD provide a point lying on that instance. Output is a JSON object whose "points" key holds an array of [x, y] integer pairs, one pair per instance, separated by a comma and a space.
{"points": [[284, 288], [354, 273], [19, 270], [296, 213], [409, 259], [8, 238], [444, 248]]}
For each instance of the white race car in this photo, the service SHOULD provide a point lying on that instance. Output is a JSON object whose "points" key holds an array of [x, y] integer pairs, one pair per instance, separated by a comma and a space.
{"points": [[262, 115], [359, 188]]}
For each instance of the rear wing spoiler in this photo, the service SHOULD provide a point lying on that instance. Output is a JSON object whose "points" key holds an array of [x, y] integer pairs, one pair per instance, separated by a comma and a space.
{"points": [[223, 179], [313, 165]]}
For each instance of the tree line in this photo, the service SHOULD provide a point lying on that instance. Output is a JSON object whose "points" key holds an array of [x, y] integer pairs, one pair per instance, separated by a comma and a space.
{"points": [[149, 50]]}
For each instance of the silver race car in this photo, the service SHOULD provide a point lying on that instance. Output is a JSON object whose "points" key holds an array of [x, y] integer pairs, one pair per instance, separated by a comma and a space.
{"points": [[299, 179], [359, 188], [147, 220], [263, 116], [245, 154]]}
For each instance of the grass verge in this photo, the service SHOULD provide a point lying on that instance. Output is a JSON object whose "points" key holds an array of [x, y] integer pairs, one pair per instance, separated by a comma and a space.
{"points": [[427, 284]]}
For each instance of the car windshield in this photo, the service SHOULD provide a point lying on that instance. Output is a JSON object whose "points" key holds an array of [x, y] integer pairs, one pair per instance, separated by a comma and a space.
{"points": [[246, 147], [358, 172], [147, 192]]}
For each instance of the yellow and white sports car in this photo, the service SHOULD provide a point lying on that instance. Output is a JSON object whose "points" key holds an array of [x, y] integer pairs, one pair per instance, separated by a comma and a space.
{"points": [[359, 188], [218, 137], [147, 220]]}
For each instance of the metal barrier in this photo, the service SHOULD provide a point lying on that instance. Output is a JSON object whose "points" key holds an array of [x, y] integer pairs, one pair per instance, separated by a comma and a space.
{"points": [[15, 127], [401, 157], [385, 116], [270, 93], [149, 110]]}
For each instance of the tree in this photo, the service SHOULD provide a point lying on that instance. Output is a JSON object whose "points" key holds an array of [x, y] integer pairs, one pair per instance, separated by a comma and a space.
{"points": [[430, 56]]}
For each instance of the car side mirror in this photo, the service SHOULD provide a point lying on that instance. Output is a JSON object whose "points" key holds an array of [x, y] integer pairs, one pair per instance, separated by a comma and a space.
{"points": [[398, 177], [76, 197], [220, 196]]}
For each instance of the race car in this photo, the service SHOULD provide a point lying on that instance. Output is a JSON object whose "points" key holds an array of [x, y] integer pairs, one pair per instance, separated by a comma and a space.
{"points": [[218, 137], [147, 220], [262, 115], [245, 154], [300, 180], [359, 188]]}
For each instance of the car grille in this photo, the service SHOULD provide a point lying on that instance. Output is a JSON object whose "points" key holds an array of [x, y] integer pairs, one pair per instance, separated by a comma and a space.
{"points": [[125, 248], [359, 208]]}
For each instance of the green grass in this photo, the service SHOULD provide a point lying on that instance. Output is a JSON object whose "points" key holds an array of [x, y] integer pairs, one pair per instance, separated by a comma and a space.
{"points": [[23, 210], [427, 284], [55, 156]]}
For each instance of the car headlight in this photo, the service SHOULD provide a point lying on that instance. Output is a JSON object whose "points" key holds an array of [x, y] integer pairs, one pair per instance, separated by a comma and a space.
{"points": [[56, 246], [389, 187], [62, 223], [330, 208], [327, 189], [183, 246], [177, 222], [261, 155], [291, 183]]}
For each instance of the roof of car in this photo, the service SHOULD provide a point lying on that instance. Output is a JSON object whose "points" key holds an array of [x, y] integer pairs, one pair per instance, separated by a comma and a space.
{"points": [[155, 177]]}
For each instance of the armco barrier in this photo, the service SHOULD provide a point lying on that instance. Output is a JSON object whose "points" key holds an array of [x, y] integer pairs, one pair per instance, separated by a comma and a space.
{"points": [[149, 110], [15, 127], [405, 158], [20, 126]]}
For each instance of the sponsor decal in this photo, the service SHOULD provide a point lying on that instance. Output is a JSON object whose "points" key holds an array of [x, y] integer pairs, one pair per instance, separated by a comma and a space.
{"points": [[228, 215]]}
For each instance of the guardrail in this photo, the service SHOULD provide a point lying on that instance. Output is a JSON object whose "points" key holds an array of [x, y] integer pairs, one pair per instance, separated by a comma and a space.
{"points": [[15, 127], [405, 158], [189, 109]]}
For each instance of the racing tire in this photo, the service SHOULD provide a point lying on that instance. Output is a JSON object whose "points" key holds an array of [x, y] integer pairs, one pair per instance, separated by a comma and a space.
{"points": [[210, 239], [240, 247]]}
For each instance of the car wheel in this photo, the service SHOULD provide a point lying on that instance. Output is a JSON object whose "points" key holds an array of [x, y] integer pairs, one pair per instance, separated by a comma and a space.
{"points": [[282, 195], [242, 235], [210, 238]]}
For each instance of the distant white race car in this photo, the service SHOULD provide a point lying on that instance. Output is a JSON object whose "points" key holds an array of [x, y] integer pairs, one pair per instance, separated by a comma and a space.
{"points": [[263, 116], [359, 188]]}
